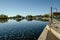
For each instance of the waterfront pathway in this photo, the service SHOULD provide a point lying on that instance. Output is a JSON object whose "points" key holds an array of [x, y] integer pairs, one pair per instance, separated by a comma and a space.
{"points": [[51, 32]]}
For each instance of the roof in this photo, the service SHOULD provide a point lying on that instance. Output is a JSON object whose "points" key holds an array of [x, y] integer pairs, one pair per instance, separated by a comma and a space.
{"points": [[56, 13]]}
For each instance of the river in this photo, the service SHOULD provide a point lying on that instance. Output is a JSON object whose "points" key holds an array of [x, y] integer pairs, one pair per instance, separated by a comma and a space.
{"points": [[21, 30]]}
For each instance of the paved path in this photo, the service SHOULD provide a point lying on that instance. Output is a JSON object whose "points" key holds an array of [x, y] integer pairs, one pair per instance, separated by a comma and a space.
{"points": [[55, 29], [51, 32], [51, 36], [56, 25]]}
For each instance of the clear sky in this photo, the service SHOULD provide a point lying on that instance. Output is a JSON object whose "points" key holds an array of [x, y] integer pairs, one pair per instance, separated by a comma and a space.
{"points": [[27, 7]]}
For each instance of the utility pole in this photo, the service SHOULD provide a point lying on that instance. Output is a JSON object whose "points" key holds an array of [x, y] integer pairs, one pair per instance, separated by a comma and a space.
{"points": [[51, 16]]}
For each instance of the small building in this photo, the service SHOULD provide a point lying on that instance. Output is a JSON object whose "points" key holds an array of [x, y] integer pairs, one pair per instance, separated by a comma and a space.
{"points": [[56, 14]]}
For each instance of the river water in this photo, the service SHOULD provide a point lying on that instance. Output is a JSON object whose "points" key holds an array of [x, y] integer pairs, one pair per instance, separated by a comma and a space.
{"points": [[21, 29]]}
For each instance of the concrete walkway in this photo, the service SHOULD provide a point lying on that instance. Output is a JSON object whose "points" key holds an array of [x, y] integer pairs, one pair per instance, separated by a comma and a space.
{"points": [[52, 34], [56, 26], [49, 34]]}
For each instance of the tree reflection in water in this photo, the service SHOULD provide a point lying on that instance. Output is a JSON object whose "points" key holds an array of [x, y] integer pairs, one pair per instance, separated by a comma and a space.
{"points": [[6, 20], [3, 20], [18, 20], [19, 31], [29, 19]]}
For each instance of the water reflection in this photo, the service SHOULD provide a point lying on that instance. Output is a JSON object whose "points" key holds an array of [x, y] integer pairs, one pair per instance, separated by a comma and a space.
{"points": [[24, 30], [6, 20], [29, 19], [18, 20], [3, 20]]}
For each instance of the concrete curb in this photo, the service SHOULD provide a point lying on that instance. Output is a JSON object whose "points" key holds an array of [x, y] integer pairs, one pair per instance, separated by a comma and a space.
{"points": [[43, 34]]}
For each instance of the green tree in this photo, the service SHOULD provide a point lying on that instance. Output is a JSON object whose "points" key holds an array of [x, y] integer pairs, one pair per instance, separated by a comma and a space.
{"points": [[18, 16], [46, 15], [29, 16], [3, 16]]}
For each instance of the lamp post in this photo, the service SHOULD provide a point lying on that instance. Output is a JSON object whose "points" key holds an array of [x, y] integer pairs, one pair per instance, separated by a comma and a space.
{"points": [[51, 15], [51, 12]]}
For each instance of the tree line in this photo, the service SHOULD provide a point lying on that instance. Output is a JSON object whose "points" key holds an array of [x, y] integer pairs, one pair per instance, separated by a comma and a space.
{"points": [[2, 16]]}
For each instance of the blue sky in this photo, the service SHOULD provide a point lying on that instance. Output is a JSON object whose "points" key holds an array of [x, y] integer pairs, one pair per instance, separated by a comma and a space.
{"points": [[27, 7]]}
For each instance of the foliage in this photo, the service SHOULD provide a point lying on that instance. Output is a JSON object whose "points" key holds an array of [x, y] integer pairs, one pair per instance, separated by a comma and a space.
{"points": [[29, 16], [3, 16], [46, 15], [18, 16]]}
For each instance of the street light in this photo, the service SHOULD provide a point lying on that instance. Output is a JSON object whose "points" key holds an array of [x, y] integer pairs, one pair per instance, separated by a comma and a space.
{"points": [[52, 14]]}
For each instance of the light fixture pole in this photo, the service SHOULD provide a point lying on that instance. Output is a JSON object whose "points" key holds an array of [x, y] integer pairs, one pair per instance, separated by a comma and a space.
{"points": [[51, 12], [51, 15]]}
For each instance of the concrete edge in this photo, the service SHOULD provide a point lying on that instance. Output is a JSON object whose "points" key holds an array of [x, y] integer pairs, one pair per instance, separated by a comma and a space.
{"points": [[43, 34]]}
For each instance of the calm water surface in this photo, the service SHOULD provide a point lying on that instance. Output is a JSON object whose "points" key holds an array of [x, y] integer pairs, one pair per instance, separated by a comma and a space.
{"points": [[21, 30]]}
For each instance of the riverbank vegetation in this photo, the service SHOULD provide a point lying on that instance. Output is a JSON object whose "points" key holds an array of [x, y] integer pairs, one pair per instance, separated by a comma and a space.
{"points": [[2, 16], [28, 17]]}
